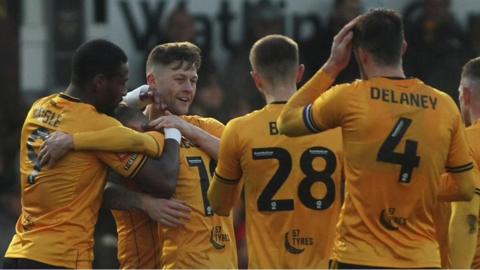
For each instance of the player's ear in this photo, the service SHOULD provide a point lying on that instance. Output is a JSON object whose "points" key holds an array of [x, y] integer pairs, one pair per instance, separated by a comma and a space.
{"points": [[466, 96], [300, 72], [151, 80], [257, 79], [404, 47], [362, 56], [99, 81]]}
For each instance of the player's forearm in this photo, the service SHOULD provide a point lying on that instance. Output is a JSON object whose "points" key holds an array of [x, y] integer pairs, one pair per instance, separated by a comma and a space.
{"points": [[207, 142], [311, 90], [118, 197], [159, 176], [116, 139], [463, 233], [221, 196], [291, 120]]}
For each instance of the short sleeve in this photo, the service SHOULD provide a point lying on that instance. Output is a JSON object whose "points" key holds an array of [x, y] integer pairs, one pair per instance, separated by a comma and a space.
{"points": [[228, 167], [126, 164], [129, 164]]}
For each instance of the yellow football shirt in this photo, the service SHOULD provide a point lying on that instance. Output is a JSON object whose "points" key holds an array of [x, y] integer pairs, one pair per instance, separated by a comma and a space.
{"points": [[473, 138], [60, 205], [207, 240], [292, 188], [139, 245], [399, 136]]}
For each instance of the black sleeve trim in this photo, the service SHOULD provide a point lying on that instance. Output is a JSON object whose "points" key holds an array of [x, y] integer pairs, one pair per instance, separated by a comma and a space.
{"points": [[158, 146], [308, 119], [477, 191], [226, 181], [139, 166], [459, 169]]}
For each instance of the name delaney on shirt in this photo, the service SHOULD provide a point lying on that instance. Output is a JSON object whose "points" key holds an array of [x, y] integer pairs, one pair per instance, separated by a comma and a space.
{"points": [[410, 99]]}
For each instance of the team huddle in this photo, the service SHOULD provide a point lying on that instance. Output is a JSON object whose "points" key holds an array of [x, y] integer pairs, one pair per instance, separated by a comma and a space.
{"points": [[377, 173]]}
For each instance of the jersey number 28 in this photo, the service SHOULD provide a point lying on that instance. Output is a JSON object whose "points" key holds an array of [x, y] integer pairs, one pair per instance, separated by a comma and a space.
{"points": [[266, 202]]}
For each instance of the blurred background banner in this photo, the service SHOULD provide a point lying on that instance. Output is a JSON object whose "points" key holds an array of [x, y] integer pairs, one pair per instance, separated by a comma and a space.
{"points": [[38, 38]]}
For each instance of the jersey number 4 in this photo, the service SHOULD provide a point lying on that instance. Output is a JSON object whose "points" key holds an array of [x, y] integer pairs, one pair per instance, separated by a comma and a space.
{"points": [[409, 159], [266, 202]]}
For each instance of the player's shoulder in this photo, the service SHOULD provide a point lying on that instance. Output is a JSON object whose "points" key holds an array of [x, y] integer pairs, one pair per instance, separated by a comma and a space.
{"points": [[201, 120], [208, 124], [473, 131], [44, 100], [247, 122], [441, 95]]}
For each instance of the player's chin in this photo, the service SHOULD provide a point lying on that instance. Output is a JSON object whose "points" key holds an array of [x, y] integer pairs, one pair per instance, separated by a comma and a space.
{"points": [[182, 109]]}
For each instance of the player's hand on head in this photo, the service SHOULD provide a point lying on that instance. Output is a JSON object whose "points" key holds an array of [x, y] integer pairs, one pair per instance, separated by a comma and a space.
{"points": [[341, 50], [156, 98], [55, 147], [171, 212]]}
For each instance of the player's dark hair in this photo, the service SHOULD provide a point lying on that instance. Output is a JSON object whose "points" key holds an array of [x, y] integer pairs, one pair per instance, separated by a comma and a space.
{"points": [[471, 69], [96, 57], [129, 116], [380, 33], [275, 57], [183, 52]]}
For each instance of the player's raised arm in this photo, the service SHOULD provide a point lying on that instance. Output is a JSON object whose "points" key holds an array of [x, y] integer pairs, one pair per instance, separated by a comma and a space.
{"points": [[295, 118]]}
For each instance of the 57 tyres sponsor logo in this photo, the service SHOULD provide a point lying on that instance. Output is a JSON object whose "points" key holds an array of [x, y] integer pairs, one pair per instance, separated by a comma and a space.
{"points": [[218, 237], [296, 243], [390, 221]]}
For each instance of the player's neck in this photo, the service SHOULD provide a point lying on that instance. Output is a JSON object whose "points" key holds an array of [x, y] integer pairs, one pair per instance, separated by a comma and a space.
{"points": [[280, 93], [76, 92], [152, 113], [474, 116], [384, 71]]}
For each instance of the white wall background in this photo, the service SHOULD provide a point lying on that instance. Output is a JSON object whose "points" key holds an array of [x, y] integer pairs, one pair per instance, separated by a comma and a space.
{"points": [[35, 46]]}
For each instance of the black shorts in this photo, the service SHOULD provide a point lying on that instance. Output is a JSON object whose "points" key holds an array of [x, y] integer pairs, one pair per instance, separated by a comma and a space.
{"points": [[21, 263], [340, 265]]}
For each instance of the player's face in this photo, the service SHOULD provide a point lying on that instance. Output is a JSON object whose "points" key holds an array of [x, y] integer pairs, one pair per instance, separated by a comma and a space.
{"points": [[112, 90], [177, 86]]}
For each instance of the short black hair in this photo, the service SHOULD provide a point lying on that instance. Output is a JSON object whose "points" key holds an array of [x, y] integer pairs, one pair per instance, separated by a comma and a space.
{"points": [[96, 57], [167, 53], [130, 116], [380, 33], [275, 57], [471, 69]]}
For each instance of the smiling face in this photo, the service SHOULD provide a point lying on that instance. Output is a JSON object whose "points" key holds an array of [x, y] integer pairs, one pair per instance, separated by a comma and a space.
{"points": [[177, 83]]}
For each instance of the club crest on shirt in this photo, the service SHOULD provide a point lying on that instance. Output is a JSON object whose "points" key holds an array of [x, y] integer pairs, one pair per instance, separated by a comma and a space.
{"points": [[295, 243], [130, 162], [390, 221], [218, 237], [122, 156]]}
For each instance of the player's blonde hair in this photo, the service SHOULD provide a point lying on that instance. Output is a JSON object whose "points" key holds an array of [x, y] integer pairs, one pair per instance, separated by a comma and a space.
{"points": [[181, 52], [275, 57]]}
